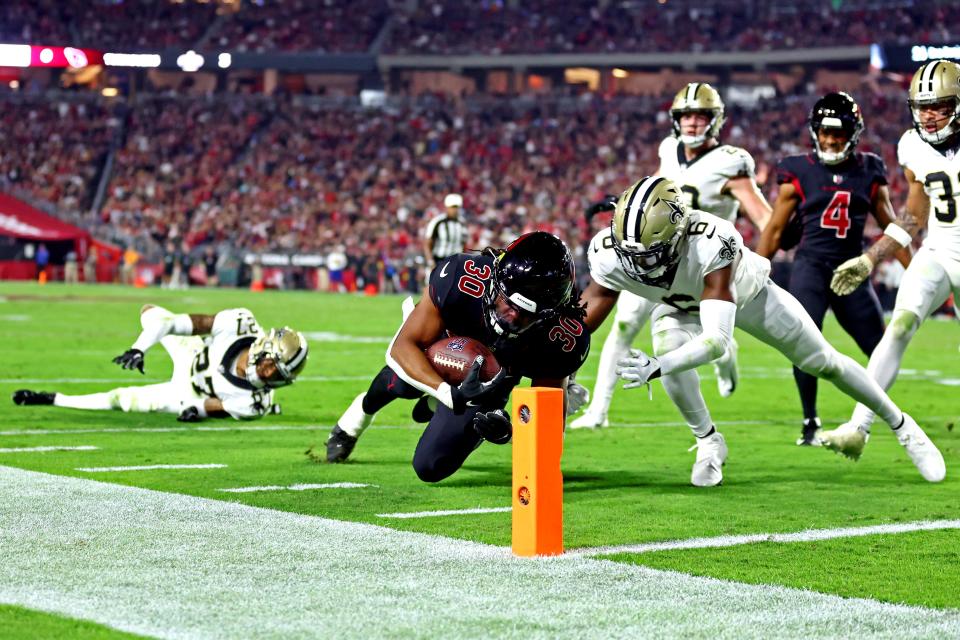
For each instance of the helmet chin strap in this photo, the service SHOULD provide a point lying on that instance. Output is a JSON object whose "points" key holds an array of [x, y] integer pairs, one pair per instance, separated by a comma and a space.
{"points": [[693, 142]]}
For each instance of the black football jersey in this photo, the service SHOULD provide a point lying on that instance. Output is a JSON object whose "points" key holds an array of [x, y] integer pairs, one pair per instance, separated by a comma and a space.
{"points": [[553, 349], [834, 202]]}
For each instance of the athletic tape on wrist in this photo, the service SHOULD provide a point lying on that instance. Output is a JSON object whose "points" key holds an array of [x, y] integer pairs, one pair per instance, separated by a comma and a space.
{"points": [[899, 234]]}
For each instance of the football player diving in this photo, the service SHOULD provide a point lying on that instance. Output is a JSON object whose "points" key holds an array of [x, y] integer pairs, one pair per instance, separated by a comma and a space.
{"points": [[695, 264], [825, 198], [523, 304], [712, 176], [224, 365], [930, 156]]}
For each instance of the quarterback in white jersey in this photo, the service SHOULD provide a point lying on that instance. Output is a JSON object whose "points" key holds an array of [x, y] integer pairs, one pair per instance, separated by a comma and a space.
{"points": [[930, 156], [713, 177], [224, 365], [695, 265]]}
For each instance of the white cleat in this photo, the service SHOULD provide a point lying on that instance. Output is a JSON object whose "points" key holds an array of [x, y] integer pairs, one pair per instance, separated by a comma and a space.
{"points": [[924, 454], [848, 440], [589, 420], [726, 369], [711, 454]]}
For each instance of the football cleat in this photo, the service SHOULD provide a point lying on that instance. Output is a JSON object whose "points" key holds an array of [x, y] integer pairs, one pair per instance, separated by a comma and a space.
{"points": [[810, 436], [711, 456], [589, 420], [848, 440], [340, 445], [28, 397], [726, 369], [924, 454]]}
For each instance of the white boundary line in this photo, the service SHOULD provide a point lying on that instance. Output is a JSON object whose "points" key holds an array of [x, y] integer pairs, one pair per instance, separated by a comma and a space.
{"points": [[299, 487], [45, 449], [202, 429], [153, 563], [150, 467], [810, 535], [444, 512]]}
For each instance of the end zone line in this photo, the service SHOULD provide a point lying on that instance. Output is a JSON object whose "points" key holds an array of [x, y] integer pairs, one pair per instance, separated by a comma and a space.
{"points": [[809, 535], [84, 447], [445, 512], [150, 467], [299, 487]]}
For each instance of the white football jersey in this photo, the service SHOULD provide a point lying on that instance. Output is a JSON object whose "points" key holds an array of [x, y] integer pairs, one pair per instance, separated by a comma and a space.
{"points": [[703, 179], [711, 243], [940, 175], [214, 369]]}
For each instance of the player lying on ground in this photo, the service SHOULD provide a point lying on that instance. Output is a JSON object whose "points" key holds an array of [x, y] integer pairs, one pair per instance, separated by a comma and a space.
{"points": [[696, 263], [824, 200], [930, 156], [522, 303], [224, 365], [712, 176]]}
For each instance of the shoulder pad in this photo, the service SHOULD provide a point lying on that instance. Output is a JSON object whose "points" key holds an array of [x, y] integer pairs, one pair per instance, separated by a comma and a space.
{"points": [[736, 162]]}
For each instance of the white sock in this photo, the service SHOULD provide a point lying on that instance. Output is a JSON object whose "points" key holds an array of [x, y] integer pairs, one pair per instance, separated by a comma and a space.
{"points": [[354, 421], [615, 347], [158, 322], [854, 381], [684, 389], [96, 401]]}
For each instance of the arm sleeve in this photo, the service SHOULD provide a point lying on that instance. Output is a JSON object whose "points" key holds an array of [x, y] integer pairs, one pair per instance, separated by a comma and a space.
{"points": [[717, 318]]}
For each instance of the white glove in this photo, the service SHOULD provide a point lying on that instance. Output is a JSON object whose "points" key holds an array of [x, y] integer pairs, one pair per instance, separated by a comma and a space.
{"points": [[577, 396], [638, 369], [851, 274]]}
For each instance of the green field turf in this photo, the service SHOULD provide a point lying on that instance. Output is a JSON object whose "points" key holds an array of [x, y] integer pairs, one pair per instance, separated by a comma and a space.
{"points": [[623, 485]]}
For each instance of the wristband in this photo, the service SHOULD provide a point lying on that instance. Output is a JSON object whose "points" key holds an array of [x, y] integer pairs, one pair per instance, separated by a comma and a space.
{"points": [[899, 234]]}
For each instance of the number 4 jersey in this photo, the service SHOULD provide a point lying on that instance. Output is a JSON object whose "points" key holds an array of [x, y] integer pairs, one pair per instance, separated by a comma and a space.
{"points": [[939, 171], [550, 350], [834, 202], [214, 369]]}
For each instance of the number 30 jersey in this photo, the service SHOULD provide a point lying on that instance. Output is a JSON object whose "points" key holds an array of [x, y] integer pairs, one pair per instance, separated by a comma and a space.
{"points": [[702, 180], [710, 244], [834, 202], [939, 171], [553, 349], [214, 372]]}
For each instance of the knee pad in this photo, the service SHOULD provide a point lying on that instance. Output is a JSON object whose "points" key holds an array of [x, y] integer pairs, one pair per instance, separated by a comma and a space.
{"points": [[669, 340], [904, 324]]}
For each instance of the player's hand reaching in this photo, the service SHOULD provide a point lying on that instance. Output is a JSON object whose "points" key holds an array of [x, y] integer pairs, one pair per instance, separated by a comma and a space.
{"points": [[577, 396], [851, 274], [638, 369], [493, 426], [609, 203], [190, 414], [472, 392], [130, 359]]}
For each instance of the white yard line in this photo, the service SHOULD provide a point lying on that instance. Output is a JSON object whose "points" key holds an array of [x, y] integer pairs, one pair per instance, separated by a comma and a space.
{"points": [[45, 449], [150, 467], [230, 426], [299, 487], [177, 566], [801, 536], [444, 512], [152, 380]]}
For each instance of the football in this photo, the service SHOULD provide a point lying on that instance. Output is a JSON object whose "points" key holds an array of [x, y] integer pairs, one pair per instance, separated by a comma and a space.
{"points": [[452, 357]]}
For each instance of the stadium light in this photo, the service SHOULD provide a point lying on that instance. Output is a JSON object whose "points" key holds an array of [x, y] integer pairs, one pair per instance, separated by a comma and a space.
{"points": [[620, 73], [109, 92]]}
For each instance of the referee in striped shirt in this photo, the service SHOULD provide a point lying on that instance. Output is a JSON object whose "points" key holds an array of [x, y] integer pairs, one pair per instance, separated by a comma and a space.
{"points": [[446, 234]]}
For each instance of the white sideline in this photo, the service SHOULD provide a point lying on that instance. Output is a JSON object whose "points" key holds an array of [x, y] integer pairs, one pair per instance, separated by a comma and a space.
{"points": [[444, 512], [83, 447], [177, 566], [810, 535], [150, 467], [299, 487], [232, 426]]}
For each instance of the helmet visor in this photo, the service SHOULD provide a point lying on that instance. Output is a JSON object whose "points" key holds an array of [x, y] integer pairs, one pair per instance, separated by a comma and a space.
{"points": [[510, 315]]}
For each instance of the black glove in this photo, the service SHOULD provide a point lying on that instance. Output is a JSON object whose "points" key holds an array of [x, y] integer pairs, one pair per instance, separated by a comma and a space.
{"points": [[190, 414], [130, 359], [493, 426], [609, 203], [475, 393]]}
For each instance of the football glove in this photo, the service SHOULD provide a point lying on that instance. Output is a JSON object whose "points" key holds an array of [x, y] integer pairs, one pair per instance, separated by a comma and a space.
{"points": [[190, 414], [851, 274], [609, 203], [130, 359], [638, 369], [493, 426], [472, 392], [577, 396]]}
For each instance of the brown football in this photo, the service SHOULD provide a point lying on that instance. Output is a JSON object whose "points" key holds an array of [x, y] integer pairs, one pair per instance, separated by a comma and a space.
{"points": [[452, 357]]}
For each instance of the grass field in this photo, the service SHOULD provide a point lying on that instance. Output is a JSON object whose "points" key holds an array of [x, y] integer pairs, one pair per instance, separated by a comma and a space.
{"points": [[626, 485]]}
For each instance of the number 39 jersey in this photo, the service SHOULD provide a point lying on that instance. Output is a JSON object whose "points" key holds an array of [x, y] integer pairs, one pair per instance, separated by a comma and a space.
{"points": [[703, 179], [214, 372], [710, 244], [940, 174], [834, 202], [552, 350]]}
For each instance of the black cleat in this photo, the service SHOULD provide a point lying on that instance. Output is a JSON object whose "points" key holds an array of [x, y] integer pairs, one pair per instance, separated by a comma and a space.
{"points": [[25, 396], [422, 413], [810, 437], [339, 445]]}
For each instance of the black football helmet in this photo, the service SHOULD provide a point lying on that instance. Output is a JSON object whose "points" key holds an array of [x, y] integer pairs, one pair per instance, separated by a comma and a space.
{"points": [[836, 111], [532, 282]]}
